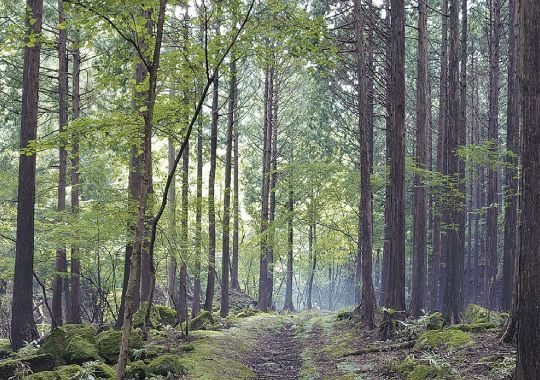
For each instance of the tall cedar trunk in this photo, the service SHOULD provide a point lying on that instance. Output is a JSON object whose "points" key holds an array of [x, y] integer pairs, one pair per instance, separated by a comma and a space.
{"points": [[454, 257], [171, 259], [236, 214], [463, 137], [313, 259], [272, 200], [196, 307], [395, 201], [511, 184], [528, 339], [23, 326], [439, 240], [365, 230], [149, 102], [490, 274], [386, 253], [420, 188], [288, 302], [60, 262], [267, 146], [211, 201], [224, 311], [182, 306]]}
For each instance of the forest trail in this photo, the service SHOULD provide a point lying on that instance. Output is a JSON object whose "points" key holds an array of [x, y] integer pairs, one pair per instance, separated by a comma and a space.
{"points": [[278, 355]]}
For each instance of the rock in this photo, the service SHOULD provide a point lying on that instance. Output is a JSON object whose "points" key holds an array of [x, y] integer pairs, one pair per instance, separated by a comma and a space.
{"points": [[202, 320], [449, 338], [109, 344], [64, 373], [159, 316], [71, 344], [136, 371], [37, 363], [165, 364], [435, 321]]}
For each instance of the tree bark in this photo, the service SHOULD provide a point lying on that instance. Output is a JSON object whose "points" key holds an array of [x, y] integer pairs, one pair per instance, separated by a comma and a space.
{"points": [[196, 307], [172, 291], [288, 303], [23, 326], [182, 306]]}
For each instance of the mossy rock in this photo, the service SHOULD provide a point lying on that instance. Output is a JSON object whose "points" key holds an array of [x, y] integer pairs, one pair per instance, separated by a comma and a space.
{"points": [[5, 348], [405, 367], [165, 364], [159, 316], [448, 338], [343, 314], [59, 344], [474, 314], [188, 347], [201, 321], [136, 371], [109, 344], [69, 372], [102, 371], [420, 372], [474, 327], [246, 313], [435, 321], [36, 363]]}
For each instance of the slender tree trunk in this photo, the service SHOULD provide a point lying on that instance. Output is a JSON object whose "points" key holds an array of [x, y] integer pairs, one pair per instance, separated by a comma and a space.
{"points": [[490, 275], [60, 262], [313, 259], [184, 247], [235, 284], [196, 307], [23, 326], [224, 311], [396, 148], [511, 184], [288, 303], [420, 189], [528, 347], [272, 196], [171, 259]]}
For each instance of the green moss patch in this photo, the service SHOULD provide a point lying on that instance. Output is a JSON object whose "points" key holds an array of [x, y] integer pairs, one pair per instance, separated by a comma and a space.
{"points": [[165, 364], [71, 344], [475, 314], [25, 366], [434, 321], [448, 338], [420, 372], [136, 371], [79, 351], [160, 316], [109, 344], [201, 321], [474, 327], [69, 372]]}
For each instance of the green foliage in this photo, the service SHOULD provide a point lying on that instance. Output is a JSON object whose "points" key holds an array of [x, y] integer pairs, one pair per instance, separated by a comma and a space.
{"points": [[165, 364]]}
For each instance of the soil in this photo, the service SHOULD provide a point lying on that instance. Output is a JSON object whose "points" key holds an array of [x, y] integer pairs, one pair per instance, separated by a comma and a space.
{"points": [[277, 355]]}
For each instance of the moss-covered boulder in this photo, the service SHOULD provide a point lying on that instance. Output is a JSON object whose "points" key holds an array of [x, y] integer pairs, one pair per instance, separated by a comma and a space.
{"points": [[477, 314], [109, 344], [188, 347], [165, 364], [420, 372], [30, 364], [201, 321], [474, 327], [435, 321], [136, 371], [448, 338], [102, 371], [159, 316], [246, 313], [71, 344], [69, 372]]}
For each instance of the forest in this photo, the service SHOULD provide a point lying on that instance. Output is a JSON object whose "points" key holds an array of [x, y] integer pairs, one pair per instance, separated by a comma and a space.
{"points": [[318, 181]]}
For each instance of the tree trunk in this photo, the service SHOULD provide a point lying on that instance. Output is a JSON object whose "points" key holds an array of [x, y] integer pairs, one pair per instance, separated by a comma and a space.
{"points": [[184, 245], [272, 200], [60, 262], [172, 292], [224, 311], [313, 259], [420, 189], [396, 147], [235, 284], [490, 274], [528, 347], [23, 326], [288, 303], [196, 307], [511, 184]]}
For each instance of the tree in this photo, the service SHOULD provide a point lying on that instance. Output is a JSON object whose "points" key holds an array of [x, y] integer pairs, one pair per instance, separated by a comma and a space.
{"points": [[395, 145], [528, 336]]}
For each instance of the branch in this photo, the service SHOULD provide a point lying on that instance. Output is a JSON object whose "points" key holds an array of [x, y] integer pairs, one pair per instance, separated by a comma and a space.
{"points": [[44, 296]]}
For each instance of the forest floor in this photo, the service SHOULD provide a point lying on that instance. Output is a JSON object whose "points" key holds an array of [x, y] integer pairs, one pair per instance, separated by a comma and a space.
{"points": [[323, 345]]}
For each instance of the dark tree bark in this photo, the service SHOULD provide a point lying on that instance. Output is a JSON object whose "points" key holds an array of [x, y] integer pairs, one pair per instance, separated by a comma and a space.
{"points": [[288, 303], [490, 274], [511, 184], [313, 259], [196, 307], [172, 291], [224, 311], [396, 150], [456, 215], [182, 306], [528, 339], [235, 284], [23, 326], [60, 262], [211, 201], [419, 268], [272, 197]]}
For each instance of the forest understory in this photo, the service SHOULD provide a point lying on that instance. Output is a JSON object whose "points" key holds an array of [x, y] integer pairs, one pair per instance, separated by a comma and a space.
{"points": [[313, 344]]}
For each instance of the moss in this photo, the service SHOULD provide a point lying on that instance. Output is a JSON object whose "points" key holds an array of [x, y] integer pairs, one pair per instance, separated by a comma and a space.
{"points": [[5, 348], [29, 364], [420, 372], [102, 371], [201, 321], [69, 372], [188, 347], [343, 314], [79, 350], [477, 314], [245, 313], [159, 316], [165, 364], [435, 321], [136, 371], [474, 327], [405, 367], [449, 338], [109, 344]]}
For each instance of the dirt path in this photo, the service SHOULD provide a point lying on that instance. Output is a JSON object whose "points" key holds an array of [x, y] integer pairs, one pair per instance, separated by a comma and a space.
{"points": [[277, 356]]}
